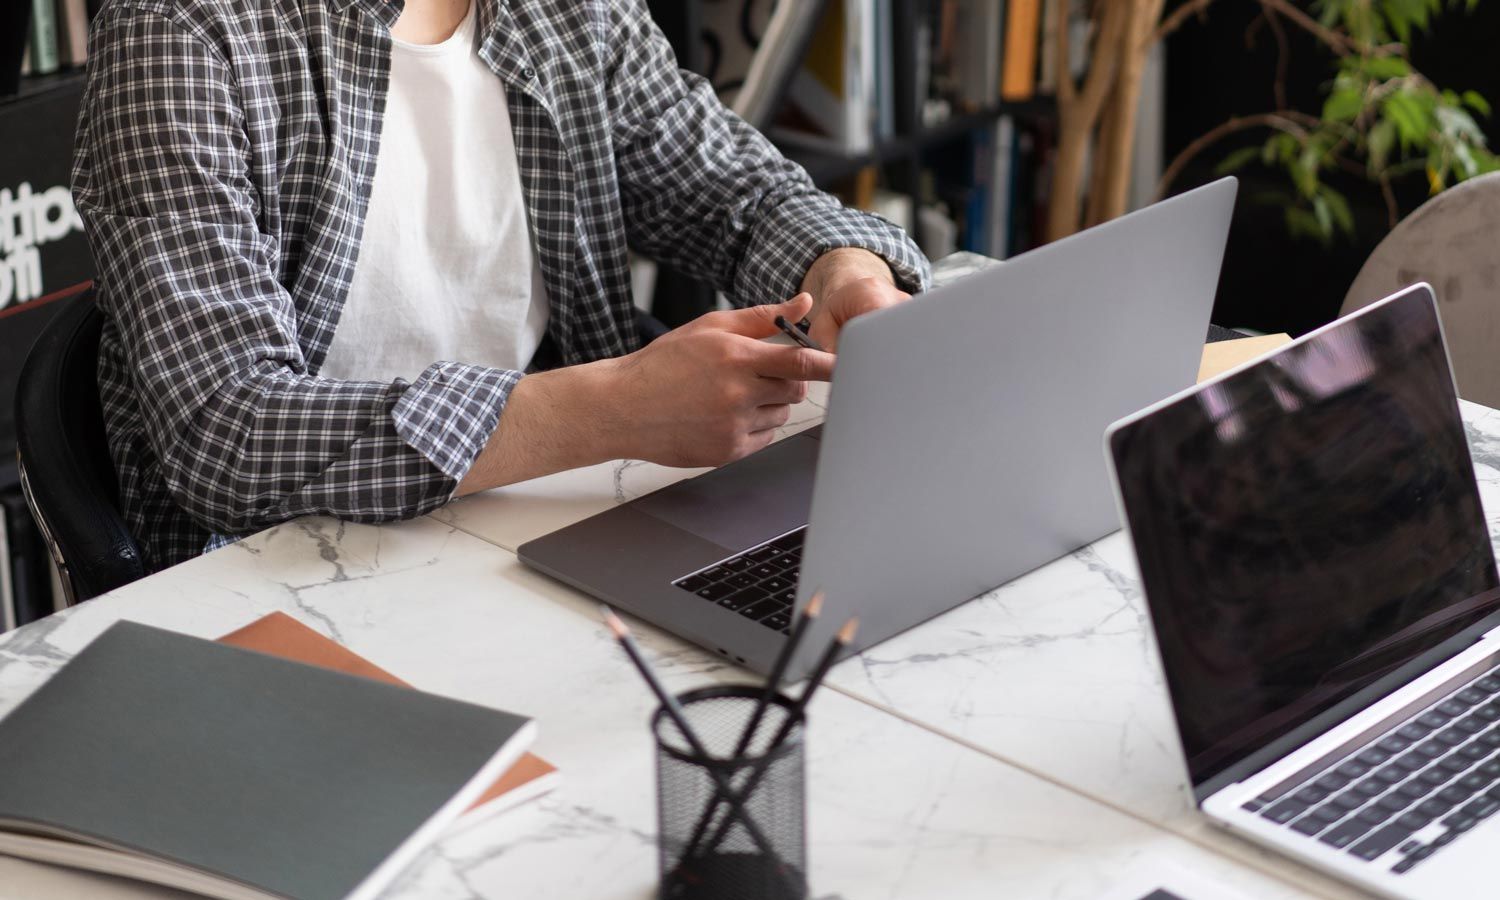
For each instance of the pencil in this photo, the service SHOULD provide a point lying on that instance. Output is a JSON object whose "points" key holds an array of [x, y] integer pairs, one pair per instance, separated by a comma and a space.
{"points": [[842, 640], [679, 718], [773, 681], [797, 334], [778, 670]]}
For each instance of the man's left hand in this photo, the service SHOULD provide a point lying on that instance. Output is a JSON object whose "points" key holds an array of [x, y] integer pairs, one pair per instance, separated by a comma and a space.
{"points": [[845, 283]]}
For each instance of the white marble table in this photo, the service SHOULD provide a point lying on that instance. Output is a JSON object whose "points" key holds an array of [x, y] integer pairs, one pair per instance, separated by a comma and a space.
{"points": [[895, 810], [1054, 673], [1018, 746]]}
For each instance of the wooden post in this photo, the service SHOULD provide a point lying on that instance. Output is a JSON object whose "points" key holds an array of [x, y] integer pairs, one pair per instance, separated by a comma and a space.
{"points": [[1079, 108], [1115, 146]]}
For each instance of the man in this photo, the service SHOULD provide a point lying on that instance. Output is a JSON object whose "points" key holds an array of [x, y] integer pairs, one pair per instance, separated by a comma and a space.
{"points": [[333, 234]]}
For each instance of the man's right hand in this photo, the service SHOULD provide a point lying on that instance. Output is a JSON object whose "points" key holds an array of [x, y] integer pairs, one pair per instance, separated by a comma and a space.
{"points": [[712, 391], [705, 394]]}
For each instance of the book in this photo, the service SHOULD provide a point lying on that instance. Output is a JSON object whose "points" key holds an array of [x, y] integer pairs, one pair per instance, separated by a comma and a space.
{"points": [[911, 62], [1022, 27], [236, 774], [15, 32], [830, 104], [979, 72], [281, 635], [43, 37], [753, 61], [1052, 14], [73, 31], [1000, 224], [885, 70]]}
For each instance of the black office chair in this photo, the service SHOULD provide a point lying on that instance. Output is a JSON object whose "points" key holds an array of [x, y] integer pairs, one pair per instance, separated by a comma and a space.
{"points": [[66, 471]]}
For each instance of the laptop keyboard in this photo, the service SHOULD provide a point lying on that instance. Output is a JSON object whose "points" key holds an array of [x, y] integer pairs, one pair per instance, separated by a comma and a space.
{"points": [[1441, 767], [759, 584]]}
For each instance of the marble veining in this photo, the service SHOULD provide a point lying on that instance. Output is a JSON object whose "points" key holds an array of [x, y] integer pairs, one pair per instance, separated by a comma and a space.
{"points": [[1033, 754], [1057, 672], [895, 810]]}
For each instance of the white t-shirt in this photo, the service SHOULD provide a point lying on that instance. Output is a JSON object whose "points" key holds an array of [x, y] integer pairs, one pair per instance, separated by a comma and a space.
{"points": [[446, 268]]}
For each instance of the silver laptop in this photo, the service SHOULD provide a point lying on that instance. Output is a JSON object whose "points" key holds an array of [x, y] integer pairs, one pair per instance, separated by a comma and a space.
{"points": [[960, 449], [1320, 580]]}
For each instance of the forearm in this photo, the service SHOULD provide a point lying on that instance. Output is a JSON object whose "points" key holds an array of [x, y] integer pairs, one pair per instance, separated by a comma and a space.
{"points": [[553, 421], [705, 394], [841, 267]]}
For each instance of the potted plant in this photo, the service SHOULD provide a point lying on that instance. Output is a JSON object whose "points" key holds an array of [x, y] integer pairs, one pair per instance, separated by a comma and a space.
{"points": [[1380, 117]]}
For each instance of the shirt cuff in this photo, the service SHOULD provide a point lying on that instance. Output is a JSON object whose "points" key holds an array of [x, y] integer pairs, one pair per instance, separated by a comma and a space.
{"points": [[804, 227], [450, 412]]}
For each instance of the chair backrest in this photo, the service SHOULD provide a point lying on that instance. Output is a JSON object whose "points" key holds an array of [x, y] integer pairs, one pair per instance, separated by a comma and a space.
{"points": [[1450, 243], [66, 470]]}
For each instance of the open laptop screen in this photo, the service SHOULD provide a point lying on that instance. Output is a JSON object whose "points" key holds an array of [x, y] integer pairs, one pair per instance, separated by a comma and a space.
{"points": [[1305, 526]]}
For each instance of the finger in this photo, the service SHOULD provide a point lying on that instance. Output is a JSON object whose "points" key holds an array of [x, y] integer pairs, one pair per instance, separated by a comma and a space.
{"points": [[826, 332], [791, 363], [769, 417], [774, 391], [759, 440], [758, 321], [827, 327]]}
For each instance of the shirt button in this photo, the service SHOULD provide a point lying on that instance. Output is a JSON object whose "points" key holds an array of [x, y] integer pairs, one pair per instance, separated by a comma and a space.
{"points": [[528, 73]]}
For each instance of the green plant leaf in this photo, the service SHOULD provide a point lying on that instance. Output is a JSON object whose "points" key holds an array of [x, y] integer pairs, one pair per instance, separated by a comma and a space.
{"points": [[1280, 148], [1379, 143], [1338, 207], [1404, 109], [1377, 110], [1398, 15], [1322, 214], [1343, 106], [1238, 160], [1305, 170], [1468, 166], [1301, 223], [1459, 125], [1384, 68], [1485, 162]]}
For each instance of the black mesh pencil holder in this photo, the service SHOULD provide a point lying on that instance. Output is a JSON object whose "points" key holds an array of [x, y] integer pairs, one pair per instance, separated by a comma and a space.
{"points": [[749, 847]]}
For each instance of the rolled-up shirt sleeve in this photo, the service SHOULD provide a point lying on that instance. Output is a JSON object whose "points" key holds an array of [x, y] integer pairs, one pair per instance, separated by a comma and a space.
{"points": [[707, 193], [245, 436]]}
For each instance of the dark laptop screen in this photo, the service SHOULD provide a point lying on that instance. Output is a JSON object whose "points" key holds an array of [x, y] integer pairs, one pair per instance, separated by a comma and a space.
{"points": [[1305, 526]]}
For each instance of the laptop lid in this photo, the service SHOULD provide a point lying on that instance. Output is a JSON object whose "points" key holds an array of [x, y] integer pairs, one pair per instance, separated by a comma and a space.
{"points": [[1309, 532], [961, 446]]}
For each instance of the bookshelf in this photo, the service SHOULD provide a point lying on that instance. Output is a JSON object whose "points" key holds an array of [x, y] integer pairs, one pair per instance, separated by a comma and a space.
{"points": [[831, 168], [41, 85], [947, 159]]}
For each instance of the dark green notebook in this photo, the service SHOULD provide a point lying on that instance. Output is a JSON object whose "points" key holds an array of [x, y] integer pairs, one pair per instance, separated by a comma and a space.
{"points": [[235, 774]]}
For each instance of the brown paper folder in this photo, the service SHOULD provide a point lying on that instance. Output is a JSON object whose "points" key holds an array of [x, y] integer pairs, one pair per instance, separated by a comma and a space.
{"points": [[278, 634]]}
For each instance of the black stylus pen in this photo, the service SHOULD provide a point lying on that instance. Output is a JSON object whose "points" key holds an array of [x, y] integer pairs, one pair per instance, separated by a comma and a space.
{"points": [[796, 334]]}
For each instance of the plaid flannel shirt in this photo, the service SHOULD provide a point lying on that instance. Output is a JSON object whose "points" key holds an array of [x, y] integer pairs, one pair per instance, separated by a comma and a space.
{"points": [[225, 156]]}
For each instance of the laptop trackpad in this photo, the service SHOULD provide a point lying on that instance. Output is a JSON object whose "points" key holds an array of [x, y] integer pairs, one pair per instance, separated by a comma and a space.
{"points": [[746, 502]]}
